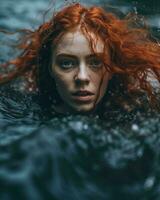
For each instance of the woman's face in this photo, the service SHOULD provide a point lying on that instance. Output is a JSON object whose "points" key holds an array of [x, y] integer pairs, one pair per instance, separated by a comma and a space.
{"points": [[80, 76]]}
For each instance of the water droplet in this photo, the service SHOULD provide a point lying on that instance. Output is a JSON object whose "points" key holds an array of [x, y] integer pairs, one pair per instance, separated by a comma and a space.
{"points": [[85, 127], [135, 127], [149, 182]]}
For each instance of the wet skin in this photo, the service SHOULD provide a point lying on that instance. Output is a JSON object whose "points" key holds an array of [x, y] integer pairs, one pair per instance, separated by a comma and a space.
{"points": [[81, 77]]}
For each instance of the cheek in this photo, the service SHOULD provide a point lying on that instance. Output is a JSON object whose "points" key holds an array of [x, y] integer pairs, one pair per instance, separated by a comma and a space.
{"points": [[101, 79], [62, 82], [104, 84]]}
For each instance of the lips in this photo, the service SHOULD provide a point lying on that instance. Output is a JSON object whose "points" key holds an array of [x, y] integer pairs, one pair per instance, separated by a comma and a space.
{"points": [[83, 95]]}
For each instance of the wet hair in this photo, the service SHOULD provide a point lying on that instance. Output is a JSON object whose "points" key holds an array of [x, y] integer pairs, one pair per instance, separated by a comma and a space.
{"points": [[134, 53]]}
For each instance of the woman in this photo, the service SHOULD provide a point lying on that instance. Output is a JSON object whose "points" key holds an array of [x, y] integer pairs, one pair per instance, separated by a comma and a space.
{"points": [[84, 57]]}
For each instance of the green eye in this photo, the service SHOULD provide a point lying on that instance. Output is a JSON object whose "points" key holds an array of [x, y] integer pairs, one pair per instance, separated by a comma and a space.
{"points": [[67, 63], [95, 63]]}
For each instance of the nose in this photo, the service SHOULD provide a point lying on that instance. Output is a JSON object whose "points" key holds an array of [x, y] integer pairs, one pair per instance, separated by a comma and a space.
{"points": [[82, 75]]}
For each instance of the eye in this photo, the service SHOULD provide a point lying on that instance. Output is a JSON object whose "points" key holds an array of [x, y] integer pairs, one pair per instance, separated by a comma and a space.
{"points": [[67, 63], [95, 63]]}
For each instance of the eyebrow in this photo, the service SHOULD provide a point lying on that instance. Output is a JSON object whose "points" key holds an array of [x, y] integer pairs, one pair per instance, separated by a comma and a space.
{"points": [[66, 55], [73, 56]]}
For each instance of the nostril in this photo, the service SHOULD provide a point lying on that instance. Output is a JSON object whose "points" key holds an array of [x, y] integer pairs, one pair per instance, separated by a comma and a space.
{"points": [[81, 81]]}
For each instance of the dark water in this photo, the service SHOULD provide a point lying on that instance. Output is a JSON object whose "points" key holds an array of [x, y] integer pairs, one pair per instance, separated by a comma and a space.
{"points": [[74, 157]]}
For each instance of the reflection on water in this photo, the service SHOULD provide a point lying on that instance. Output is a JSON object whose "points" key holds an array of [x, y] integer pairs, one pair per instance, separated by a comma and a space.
{"points": [[74, 157]]}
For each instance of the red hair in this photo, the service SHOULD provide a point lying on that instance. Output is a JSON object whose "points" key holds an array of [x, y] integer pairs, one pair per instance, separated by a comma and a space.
{"points": [[133, 52]]}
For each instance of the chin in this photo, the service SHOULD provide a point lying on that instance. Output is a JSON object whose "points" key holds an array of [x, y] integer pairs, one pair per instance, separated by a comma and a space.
{"points": [[84, 109]]}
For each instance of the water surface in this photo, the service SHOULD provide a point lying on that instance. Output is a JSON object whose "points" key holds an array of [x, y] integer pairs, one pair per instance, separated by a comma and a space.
{"points": [[73, 157]]}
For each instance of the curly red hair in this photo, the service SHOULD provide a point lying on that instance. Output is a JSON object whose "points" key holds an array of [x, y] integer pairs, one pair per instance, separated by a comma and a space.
{"points": [[134, 53]]}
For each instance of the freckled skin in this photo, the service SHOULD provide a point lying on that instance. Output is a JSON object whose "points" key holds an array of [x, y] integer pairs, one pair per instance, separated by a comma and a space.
{"points": [[74, 50]]}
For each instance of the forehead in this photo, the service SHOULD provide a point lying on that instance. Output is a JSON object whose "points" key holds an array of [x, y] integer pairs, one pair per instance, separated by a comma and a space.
{"points": [[76, 43]]}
